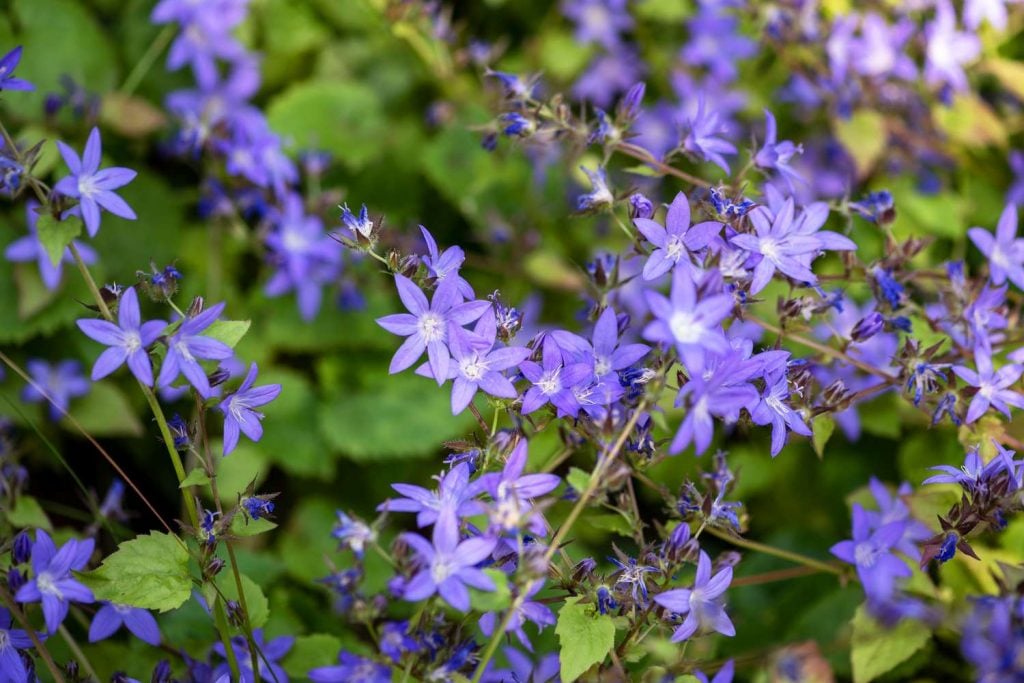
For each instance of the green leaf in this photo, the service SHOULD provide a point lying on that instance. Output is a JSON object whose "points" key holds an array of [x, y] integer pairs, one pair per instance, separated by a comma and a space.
{"points": [[492, 601], [1008, 72], [578, 479], [228, 331], [104, 411], [56, 235], [240, 526], [971, 122], [821, 430], [343, 118], [876, 650], [614, 522], [149, 571], [585, 638], [27, 513], [667, 11], [196, 477], [361, 424], [309, 652], [864, 136], [259, 608]]}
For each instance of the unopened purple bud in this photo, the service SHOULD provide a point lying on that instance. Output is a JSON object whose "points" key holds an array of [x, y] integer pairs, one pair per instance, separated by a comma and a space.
{"points": [[235, 615], [162, 672], [52, 104], [629, 107], [490, 142], [605, 601], [15, 579], [677, 540], [868, 326], [21, 550], [948, 548], [213, 567], [641, 206], [219, 376], [584, 569]]}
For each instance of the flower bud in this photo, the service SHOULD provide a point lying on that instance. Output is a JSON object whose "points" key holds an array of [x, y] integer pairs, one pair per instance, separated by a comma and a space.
{"points": [[21, 549]]}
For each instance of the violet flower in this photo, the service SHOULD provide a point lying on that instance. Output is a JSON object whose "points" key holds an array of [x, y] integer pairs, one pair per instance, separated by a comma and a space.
{"points": [[138, 621], [269, 655], [993, 386], [702, 136], [8, 63], [529, 610], [426, 324], [443, 265], [692, 326], [780, 247], [12, 640], [351, 668], [773, 409], [776, 155], [553, 381], [238, 410], [701, 604], [94, 188], [52, 583], [1005, 251], [58, 384], [447, 566], [513, 491], [948, 49], [674, 241], [455, 493], [870, 551], [129, 340], [186, 347]]}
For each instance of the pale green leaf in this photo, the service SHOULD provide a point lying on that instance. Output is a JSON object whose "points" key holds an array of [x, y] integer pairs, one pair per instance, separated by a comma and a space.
{"points": [[585, 638], [56, 235], [149, 571], [492, 601], [578, 479], [27, 513], [228, 331], [196, 477], [311, 651], [876, 650], [864, 136], [821, 430]]}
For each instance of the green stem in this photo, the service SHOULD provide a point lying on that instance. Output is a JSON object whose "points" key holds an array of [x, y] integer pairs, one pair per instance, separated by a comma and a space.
{"points": [[796, 558], [77, 651], [220, 617], [87, 276], [172, 452], [145, 62]]}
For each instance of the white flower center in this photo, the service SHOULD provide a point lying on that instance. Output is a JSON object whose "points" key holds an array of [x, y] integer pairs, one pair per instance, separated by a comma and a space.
{"points": [[999, 257], [5, 640], [473, 368], [864, 555], [87, 186], [602, 366], [132, 342], [441, 569], [684, 327], [674, 249], [182, 348], [294, 241], [47, 585], [550, 382], [431, 327], [770, 249]]}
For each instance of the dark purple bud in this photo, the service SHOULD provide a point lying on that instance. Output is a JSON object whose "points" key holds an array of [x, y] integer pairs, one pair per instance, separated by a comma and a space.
{"points": [[162, 672], [71, 669], [21, 549], [196, 307], [52, 104], [868, 326], [258, 507], [948, 548], [490, 142], [213, 567], [584, 569], [640, 206], [629, 106], [605, 601], [235, 615], [15, 579], [180, 432], [219, 376]]}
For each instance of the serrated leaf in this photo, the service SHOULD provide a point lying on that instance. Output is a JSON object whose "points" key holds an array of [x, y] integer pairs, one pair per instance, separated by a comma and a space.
{"points": [[149, 571], [821, 429], [196, 477], [55, 235], [876, 650], [228, 331], [585, 638], [492, 601], [259, 608]]}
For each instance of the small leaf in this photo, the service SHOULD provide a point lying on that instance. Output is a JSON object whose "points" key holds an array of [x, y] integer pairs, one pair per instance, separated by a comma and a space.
{"points": [[585, 638], [27, 513], [822, 429], [876, 650], [616, 523], [492, 601], [240, 526], [311, 651], [196, 477], [55, 235], [578, 479], [228, 331], [864, 136], [149, 571]]}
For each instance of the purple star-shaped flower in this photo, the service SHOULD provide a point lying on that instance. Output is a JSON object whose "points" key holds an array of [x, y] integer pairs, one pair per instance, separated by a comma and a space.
{"points": [[447, 566], [702, 136], [553, 381], [1005, 251], [445, 264], [454, 494], [52, 583], [58, 384], [893, 508], [477, 365], [701, 604], [238, 410], [692, 326], [351, 668], [676, 240], [12, 640], [529, 610], [8, 63], [993, 385], [774, 409], [779, 246], [92, 187], [128, 340], [138, 621], [513, 491], [187, 347], [948, 49], [776, 155], [870, 551], [426, 324], [29, 248]]}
